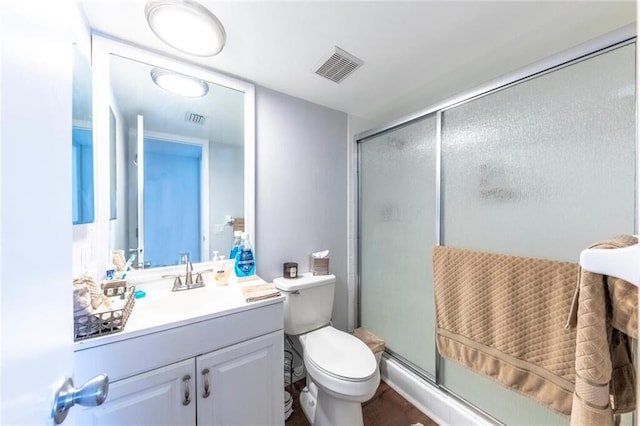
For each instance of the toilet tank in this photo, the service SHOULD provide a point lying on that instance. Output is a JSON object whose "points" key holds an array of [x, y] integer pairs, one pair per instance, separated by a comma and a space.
{"points": [[308, 301]]}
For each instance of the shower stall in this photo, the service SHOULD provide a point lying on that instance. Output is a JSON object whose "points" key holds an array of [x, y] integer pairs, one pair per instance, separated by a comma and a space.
{"points": [[541, 164]]}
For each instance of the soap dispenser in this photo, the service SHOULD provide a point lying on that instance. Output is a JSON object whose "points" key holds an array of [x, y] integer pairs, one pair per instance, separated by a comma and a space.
{"points": [[245, 265], [221, 275], [237, 241]]}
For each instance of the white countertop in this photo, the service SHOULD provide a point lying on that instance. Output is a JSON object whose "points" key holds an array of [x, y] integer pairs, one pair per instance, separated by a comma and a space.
{"points": [[162, 309]]}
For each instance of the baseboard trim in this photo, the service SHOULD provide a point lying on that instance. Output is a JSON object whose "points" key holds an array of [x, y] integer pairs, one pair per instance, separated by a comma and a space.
{"points": [[440, 407]]}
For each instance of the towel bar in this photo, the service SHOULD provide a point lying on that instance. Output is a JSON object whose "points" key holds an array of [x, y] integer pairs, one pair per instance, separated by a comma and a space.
{"points": [[620, 262]]}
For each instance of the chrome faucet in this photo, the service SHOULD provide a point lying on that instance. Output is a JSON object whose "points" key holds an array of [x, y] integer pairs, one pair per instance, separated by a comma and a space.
{"points": [[177, 282], [188, 281]]}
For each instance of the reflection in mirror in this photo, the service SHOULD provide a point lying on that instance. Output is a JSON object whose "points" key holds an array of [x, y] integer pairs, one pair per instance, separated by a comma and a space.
{"points": [[113, 168], [180, 168], [82, 140]]}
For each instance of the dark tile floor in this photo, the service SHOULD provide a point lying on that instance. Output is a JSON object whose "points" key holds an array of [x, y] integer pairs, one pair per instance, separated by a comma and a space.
{"points": [[386, 408]]}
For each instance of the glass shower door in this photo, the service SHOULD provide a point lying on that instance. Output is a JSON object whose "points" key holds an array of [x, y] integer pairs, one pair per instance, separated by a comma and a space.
{"points": [[397, 173], [540, 169]]}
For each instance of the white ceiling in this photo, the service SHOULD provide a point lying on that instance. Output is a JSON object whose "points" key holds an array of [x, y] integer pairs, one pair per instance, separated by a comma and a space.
{"points": [[415, 53]]}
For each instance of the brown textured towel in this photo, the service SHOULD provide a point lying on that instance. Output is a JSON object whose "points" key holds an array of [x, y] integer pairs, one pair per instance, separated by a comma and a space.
{"points": [[254, 293], [503, 316], [605, 313]]}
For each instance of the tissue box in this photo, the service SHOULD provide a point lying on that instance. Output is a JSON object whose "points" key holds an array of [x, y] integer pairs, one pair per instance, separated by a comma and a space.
{"points": [[319, 266]]}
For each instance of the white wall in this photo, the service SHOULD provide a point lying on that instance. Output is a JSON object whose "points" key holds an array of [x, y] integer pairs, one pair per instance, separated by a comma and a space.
{"points": [[301, 190]]}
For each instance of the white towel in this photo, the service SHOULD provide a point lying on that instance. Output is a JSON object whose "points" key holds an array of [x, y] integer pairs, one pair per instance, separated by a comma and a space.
{"points": [[81, 301]]}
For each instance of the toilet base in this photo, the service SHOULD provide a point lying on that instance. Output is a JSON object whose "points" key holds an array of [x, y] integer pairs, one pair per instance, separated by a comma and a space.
{"points": [[323, 409], [308, 399]]}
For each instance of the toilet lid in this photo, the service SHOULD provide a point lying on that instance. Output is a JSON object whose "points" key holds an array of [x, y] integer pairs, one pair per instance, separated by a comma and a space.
{"points": [[339, 354]]}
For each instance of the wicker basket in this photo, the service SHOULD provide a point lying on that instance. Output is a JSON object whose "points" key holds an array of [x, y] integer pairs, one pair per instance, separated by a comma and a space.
{"points": [[108, 322]]}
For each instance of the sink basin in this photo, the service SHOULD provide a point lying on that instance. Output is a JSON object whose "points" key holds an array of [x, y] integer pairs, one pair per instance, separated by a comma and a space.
{"points": [[170, 303], [171, 306]]}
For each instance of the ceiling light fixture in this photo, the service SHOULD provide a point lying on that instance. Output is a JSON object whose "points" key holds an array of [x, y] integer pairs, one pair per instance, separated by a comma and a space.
{"points": [[179, 84], [187, 26]]}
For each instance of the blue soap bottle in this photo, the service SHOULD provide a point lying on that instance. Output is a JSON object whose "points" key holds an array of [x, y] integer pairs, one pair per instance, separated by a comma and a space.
{"points": [[237, 241], [245, 265]]}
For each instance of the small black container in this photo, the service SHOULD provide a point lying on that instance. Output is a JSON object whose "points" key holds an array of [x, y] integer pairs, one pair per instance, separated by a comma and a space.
{"points": [[290, 270]]}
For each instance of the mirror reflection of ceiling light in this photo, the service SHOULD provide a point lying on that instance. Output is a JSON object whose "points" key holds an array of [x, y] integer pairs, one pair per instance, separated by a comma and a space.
{"points": [[179, 84], [187, 26]]}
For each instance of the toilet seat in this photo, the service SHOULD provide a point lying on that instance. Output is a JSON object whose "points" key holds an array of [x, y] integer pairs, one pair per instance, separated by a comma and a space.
{"points": [[339, 355]]}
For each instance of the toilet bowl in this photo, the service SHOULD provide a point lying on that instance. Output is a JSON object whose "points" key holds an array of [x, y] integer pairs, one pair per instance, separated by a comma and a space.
{"points": [[342, 371]]}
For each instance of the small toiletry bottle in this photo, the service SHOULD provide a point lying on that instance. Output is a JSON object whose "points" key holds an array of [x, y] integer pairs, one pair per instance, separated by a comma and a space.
{"points": [[245, 265], [237, 241], [110, 272], [221, 272]]}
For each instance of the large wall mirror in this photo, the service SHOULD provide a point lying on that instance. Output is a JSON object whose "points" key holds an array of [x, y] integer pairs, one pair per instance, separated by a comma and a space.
{"points": [[178, 173], [82, 140]]}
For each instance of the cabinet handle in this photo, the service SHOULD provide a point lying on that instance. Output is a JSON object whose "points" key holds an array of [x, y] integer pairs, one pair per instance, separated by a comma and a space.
{"points": [[205, 377], [187, 397]]}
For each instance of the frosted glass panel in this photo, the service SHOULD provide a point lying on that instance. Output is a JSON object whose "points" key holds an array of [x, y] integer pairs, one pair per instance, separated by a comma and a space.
{"points": [[397, 231], [546, 167], [540, 169]]}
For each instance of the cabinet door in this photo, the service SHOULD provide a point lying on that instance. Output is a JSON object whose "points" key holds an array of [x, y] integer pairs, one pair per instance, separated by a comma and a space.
{"points": [[164, 396], [243, 384]]}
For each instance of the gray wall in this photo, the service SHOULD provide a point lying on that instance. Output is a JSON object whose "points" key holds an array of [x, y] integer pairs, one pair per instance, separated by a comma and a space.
{"points": [[301, 188]]}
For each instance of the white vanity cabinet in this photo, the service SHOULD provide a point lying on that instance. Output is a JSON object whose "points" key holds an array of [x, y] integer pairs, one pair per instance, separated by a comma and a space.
{"points": [[160, 397], [236, 384], [222, 370]]}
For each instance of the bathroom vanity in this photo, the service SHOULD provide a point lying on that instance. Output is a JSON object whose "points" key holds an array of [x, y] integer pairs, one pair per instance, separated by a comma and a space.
{"points": [[201, 356]]}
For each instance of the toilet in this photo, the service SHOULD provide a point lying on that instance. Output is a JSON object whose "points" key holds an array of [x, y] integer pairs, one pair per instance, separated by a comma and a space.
{"points": [[342, 372]]}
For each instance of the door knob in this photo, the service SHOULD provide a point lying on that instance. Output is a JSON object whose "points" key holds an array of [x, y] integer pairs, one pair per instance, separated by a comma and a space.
{"points": [[91, 394]]}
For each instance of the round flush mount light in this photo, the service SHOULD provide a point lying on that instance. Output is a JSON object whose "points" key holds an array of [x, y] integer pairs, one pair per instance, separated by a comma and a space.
{"points": [[187, 26], [179, 84]]}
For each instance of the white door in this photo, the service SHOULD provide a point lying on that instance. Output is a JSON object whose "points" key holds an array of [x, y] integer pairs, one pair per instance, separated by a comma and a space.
{"points": [[35, 207]]}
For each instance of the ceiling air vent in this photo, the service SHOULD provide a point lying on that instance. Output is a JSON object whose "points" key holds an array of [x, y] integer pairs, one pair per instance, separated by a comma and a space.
{"points": [[194, 118], [337, 65]]}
